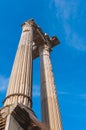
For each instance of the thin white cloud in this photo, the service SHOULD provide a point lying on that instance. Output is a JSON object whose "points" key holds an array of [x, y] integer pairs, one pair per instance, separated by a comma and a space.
{"points": [[66, 10], [83, 96], [3, 83], [36, 91], [79, 95], [63, 93]]}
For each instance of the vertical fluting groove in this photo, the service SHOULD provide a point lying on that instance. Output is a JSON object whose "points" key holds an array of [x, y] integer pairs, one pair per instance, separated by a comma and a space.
{"points": [[42, 88], [28, 79], [43, 91], [25, 71], [51, 92], [48, 89], [54, 99], [53, 96], [12, 78], [26, 85], [29, 70], [18, 78], [15, 72], [19, 89], [8, 91], [17, 75], [47, 82], [23, 80]]}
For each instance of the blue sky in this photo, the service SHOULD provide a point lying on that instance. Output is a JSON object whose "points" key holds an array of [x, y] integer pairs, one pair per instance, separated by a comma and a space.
{"points": [[67, 20]]}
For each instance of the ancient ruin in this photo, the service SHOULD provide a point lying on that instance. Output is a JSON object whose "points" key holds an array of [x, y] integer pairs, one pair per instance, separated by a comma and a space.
{"points": [[17, 113]]}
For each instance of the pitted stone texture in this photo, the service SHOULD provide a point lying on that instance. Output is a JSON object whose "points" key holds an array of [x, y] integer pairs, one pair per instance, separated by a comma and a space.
{"points": [[19, 89], [49, 102]]}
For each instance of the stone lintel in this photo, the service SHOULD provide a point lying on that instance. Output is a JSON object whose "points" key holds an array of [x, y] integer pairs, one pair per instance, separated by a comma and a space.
{"points": [[52, 42], [40, 38]]}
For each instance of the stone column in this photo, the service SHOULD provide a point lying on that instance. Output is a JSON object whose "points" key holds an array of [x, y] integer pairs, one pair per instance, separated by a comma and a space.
{"points": [[19, 89], [49, 102]]}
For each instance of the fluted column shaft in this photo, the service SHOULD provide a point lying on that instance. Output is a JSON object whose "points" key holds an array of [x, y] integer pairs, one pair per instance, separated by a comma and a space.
{"points": [[19, 89], [49, 103]]}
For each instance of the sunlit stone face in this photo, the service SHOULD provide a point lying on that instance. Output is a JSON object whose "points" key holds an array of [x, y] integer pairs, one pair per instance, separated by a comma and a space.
{"points": [[34, 46], [26, 27]]}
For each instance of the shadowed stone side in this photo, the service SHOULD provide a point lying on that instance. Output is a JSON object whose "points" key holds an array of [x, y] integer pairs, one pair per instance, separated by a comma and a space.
{"points": [[17, 112], [49, 103]]}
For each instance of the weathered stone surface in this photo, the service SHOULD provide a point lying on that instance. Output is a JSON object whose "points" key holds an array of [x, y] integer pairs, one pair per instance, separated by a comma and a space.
{"points": [[49, 103], [12, 124], [20, 117], [17, 113], [19, 89]]}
